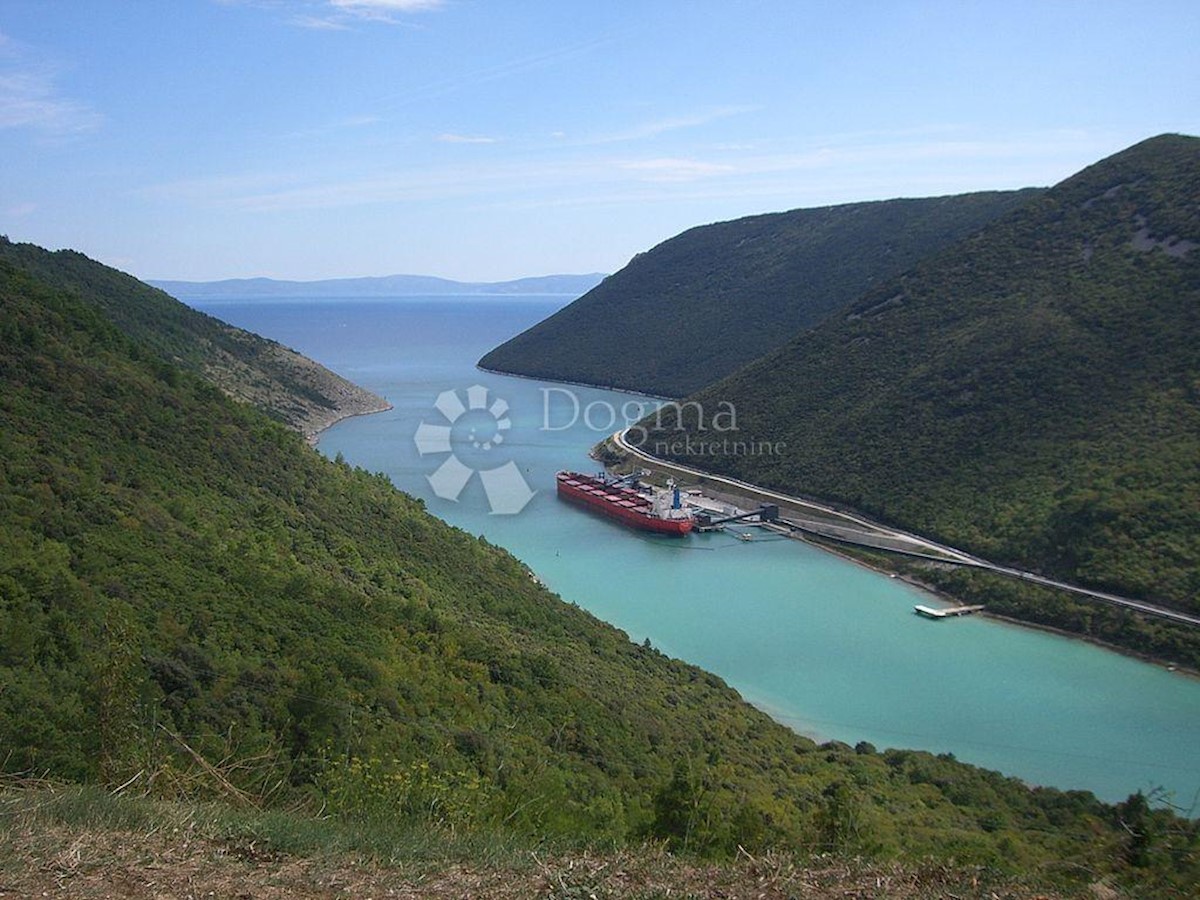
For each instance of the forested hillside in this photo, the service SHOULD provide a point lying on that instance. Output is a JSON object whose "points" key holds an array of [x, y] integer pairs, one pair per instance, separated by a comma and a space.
{"points": [[1032, 394], [195, 603], [290, 387], [704, 303]]}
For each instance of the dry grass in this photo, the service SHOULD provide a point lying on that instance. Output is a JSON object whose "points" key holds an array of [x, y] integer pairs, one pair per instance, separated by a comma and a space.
{"points": [[58, 843], [66, 863]]}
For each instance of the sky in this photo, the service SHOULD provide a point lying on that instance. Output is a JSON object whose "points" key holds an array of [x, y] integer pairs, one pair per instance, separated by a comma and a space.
{"points": [[484, 140]]}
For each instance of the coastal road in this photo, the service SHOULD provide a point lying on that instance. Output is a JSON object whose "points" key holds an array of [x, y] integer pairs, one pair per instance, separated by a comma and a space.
{"points": [[936, 551]]}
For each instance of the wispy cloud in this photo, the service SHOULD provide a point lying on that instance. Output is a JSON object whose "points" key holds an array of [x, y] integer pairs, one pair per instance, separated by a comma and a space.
{"points": [[219, 190], [334, 127], [496, 181], [340, 15], [655, 127], [466, 139], [266, 192], [319, 23], [383, 7], [807, 175], [19, 210], [357, 121], [672, 169], [30, 97], [462, 80]]}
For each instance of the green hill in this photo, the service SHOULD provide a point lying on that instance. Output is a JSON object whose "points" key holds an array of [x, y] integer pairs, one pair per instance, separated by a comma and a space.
{"points": [[288, 386], [714, 298], [196, 605], [1031, 394]]}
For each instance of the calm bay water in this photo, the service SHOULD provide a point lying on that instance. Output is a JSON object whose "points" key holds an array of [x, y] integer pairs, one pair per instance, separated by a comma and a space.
{"points": [[826, 646]]}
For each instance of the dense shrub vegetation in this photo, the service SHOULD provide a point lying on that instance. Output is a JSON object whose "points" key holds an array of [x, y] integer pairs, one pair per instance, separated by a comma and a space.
{"points": [[194, 601], [714, 298], [1032, 393], [287, 386]]}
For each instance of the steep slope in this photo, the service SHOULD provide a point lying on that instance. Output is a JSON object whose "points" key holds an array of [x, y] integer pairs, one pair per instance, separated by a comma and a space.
{"points": [[1033, 393], [193, 601], [290, 387], [710, 300]]}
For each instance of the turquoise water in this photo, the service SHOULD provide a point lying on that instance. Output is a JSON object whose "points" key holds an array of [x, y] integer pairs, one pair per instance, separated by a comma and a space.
{"points": [[826, 646]]}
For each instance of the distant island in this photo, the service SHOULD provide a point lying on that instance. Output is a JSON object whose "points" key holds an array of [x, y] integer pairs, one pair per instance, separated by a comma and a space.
{"points": [[383, 286]]}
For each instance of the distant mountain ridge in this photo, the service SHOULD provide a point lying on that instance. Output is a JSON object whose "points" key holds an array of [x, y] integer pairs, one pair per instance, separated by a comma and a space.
{"points": [[712, 299], [382, 286]]}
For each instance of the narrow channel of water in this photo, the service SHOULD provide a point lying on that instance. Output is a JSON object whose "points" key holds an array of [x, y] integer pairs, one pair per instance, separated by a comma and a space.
{"points": [[826, 646]]}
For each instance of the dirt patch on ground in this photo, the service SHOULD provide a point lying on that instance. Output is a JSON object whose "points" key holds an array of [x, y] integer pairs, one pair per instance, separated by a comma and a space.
{"points": [[65, 863]]}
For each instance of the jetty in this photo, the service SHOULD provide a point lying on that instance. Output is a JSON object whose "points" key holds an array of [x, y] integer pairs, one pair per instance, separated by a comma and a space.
{"points": [[859, 531], [948, 612]]}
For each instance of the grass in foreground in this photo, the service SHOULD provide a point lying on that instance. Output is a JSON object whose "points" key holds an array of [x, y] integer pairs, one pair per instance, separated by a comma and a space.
{"points": [[70, 841]]}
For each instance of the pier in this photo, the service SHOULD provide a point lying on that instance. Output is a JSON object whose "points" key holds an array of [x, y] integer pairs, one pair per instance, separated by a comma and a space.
{"points": [[949, 612], [821, 520]]}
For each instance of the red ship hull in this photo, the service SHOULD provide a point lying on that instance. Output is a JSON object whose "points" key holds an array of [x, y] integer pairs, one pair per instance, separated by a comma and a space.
{"points": [[623, 504]]}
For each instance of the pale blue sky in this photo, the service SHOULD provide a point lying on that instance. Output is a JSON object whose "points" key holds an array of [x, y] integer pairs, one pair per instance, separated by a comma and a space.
{"points": [[477, 140]]}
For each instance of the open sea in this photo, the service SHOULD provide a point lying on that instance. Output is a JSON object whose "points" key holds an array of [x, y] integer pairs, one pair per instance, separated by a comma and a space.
{"points": [[826, 646]]}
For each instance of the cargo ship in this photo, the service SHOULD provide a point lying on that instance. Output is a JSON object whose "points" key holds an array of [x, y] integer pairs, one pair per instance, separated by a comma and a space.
{"points": [[662, 512]]}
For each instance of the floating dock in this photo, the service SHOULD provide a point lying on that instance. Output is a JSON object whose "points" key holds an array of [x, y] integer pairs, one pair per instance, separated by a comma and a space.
{"points": [[948, 612]]}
